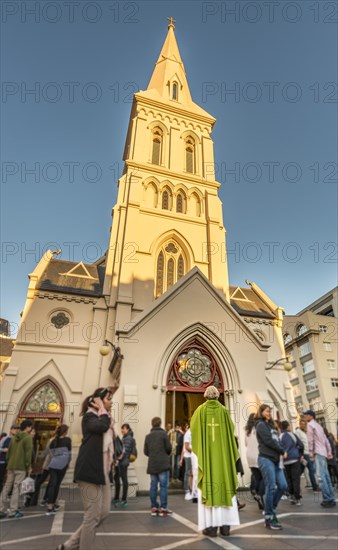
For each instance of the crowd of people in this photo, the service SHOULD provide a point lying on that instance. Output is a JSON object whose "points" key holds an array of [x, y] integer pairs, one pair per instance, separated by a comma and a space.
{"points": [[278, 457], [204, 457]]}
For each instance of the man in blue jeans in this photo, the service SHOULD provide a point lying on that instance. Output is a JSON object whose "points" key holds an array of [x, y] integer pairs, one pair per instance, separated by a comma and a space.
{"points": [[157, 448], [320, 451]]}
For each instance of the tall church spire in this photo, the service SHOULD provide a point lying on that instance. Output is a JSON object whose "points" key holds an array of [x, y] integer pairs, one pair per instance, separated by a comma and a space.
{"points": [[169, 70]]}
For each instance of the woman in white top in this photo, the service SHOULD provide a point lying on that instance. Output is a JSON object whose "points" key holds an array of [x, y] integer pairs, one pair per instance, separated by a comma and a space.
{"points": [[257, 484]]}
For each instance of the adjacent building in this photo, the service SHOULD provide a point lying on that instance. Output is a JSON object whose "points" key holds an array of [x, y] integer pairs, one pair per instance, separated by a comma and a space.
{"points": [[310, 337]]}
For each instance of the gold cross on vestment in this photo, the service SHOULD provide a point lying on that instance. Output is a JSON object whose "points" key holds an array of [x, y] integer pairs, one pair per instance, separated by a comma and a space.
{"points": [[171, 22], [213, 426]]}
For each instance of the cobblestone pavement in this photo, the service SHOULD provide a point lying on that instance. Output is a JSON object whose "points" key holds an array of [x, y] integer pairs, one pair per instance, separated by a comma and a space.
{"points": [[306, 527]]}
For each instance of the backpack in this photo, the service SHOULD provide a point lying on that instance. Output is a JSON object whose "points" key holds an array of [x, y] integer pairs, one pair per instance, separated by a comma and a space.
{"points": [[133, 454], [118, 448]]}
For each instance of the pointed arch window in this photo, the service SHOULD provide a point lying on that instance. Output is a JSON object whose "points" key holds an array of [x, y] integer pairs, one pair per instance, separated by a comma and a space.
{"points": [[157, 146], [165, 200], [175, 91], [44, 400], [179, 203], [190, 155], [160, 274], [171, 265]]}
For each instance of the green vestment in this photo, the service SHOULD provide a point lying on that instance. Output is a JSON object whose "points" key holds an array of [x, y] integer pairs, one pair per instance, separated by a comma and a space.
{"points": [[214, 444]]}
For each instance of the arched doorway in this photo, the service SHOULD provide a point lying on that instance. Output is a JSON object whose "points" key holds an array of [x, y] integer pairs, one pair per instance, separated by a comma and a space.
{"points": [[192, 371], [45, 407]]}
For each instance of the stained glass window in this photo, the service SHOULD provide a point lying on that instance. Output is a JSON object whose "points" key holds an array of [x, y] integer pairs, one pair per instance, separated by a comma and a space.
{"points": [[170, 272], [179, 203], [165, 200], [160, 273], [45, 399], [194, 367], [180, 267], [60, 320]]}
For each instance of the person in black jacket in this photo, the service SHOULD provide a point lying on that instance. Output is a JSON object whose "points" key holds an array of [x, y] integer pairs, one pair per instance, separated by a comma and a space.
{"points": [[157, 448], [121, 469], [92, 468], [270, 452]]}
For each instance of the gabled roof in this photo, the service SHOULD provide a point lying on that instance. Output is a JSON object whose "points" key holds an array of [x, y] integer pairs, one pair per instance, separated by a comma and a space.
{"points": [[176, 291], [72, 278], [246, 302]]}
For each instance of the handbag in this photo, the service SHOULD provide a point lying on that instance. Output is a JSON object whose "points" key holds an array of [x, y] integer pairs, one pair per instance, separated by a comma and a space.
{"points": [[27, 486], [133, 454]]}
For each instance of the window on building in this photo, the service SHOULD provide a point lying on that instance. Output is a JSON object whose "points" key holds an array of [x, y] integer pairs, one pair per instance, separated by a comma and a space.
{"points": [[157, 146], [301, 329], [327, 346], [287, 338], [331, 364], [304, 349], [175, 91], [328, 312], [322, 328], [165, 200], [293, 374], [316, 404], [170, 268], [181, 202], [190, 155], [308, 366], [334, 382], [311, 384]]}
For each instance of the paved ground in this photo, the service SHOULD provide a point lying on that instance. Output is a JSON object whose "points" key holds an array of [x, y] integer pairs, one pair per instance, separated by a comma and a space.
{"points": [[309, 527]]}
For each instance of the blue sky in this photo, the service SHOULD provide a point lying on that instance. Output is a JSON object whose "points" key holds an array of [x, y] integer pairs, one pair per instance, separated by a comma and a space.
{"points": [[275, 136]]}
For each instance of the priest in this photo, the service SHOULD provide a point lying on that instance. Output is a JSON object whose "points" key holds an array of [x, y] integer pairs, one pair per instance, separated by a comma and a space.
{"points": [[214, 444]]}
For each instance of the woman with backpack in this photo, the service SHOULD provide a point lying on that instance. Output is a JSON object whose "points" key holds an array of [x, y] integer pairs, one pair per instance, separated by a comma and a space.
{"points": [[60, 456], [121, 469], [92, 468]]}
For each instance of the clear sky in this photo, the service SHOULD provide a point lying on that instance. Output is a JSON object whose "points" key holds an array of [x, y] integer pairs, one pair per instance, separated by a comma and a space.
{"points": [[69, 70]]}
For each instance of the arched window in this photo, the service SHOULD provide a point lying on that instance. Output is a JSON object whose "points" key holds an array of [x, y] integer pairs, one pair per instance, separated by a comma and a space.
{"points": [[287, 338], [165, 200], [45, 400], [179, 203], [170, 272], [190, 155], [301, 329], [180, 267], [157, 146], [175, 91], [160, 274], [170, 267]]}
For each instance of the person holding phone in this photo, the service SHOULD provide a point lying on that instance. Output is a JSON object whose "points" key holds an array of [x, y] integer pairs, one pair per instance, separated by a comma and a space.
{"points": [[92, 467]]}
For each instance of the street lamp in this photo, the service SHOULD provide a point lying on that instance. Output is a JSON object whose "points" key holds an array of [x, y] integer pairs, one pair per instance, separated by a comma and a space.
{"points": [[286, 364], [117, 356]]}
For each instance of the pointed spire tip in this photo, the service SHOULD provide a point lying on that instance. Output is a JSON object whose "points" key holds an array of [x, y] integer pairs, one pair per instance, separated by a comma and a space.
{"points": [[171, 23]]}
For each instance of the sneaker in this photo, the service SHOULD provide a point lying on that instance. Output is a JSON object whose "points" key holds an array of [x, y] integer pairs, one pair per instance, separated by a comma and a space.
{"points": [[292, 500], [284, 497], [51, 512], [57, 507], [154, 511], [298, 502], [164, 512], [273, 523], [116, 502], [124, 504], [3, 515], [328, 503], [43, 502], [188, 495], [16, 515]]}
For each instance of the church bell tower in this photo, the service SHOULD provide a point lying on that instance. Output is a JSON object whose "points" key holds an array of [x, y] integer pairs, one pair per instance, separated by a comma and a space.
{"points": [[168, 216]]}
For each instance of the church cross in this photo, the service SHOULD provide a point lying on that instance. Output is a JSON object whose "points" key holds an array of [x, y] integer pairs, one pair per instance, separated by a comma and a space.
{"points": [[213, 426], [171, 22]]}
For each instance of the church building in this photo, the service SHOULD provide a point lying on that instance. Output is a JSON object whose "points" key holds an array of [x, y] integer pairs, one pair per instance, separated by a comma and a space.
{"points": [[155, 317]]}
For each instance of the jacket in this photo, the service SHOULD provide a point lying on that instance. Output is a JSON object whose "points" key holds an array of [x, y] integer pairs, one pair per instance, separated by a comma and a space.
{"points": [[293, 447], [89, 464], [19, 456], [268, 441], [157, 448], [128, 444]]}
